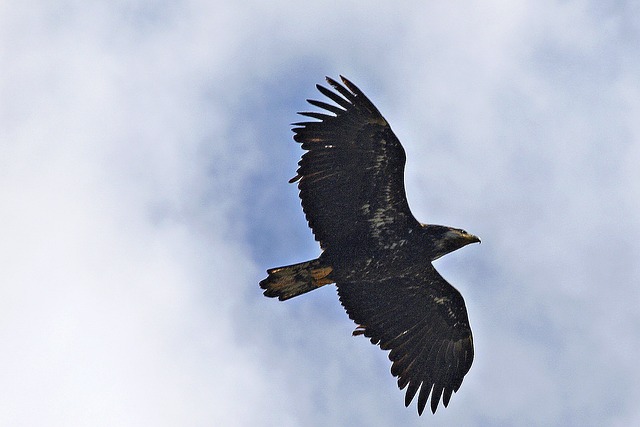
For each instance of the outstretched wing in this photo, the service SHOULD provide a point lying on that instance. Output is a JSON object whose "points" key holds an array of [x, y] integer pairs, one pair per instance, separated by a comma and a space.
{"points": [[423, 321], [351, 178]]}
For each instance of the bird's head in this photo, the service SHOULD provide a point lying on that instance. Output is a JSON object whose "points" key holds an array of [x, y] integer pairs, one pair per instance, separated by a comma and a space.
{"points": [[446, 239]]}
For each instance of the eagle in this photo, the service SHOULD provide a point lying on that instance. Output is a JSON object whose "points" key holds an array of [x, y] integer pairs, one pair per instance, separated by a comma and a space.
{"points": [[351, 186]]}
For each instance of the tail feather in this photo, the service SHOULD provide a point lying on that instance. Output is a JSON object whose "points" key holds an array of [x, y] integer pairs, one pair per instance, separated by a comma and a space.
{"points": [[297, 279]]}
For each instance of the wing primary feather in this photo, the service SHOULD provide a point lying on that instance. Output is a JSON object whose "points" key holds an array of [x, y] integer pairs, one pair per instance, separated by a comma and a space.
{"points": [[411, 392], [309, 126], [315, 115], [435, 397], [423, 396], [360, 95], [335, 110], [402, 382], [446, 396], [343, 91], [295, 178], [334, 97]]}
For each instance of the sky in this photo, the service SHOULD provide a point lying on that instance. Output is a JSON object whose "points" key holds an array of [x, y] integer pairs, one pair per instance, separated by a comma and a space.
{"points": [[145, 149]]}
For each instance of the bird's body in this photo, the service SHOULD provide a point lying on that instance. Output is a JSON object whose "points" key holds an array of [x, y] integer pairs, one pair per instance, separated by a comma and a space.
{"points": [[351, 182]]}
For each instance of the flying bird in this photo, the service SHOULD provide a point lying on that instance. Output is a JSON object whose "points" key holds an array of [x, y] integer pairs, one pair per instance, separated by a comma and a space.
{"points": [[351, 182]]}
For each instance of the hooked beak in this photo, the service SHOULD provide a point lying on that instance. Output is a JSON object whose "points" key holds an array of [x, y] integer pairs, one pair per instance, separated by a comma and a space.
{"points": [[462, 236], [473, 239]]}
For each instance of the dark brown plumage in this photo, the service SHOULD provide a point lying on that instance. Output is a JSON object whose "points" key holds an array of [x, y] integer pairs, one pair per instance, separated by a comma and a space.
{"points": [[351, 181]]}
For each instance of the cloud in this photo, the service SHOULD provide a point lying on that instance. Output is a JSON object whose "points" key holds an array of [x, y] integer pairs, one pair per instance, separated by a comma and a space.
{"points": [[143, 164]]}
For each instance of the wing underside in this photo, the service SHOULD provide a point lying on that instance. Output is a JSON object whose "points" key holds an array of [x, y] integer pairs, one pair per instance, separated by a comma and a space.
{"points": [[351, 178], [423, 321]]}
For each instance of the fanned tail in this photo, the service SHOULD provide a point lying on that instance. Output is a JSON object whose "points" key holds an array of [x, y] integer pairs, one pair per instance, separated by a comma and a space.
{"points": [[297, 279]]}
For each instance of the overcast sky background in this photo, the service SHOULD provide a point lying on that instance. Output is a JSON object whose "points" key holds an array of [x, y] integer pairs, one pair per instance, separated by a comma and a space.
{"points": [[144, 153]]}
